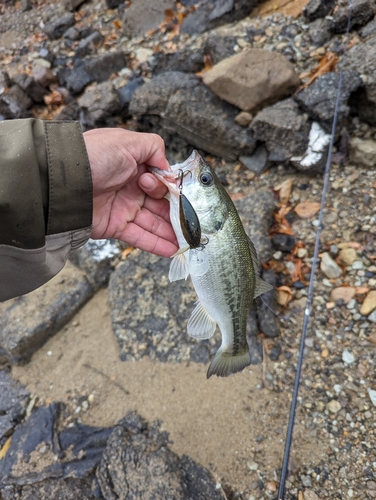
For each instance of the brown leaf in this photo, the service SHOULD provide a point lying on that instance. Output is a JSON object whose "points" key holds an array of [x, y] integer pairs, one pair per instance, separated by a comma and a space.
{"points": [[283, 225], [237, 196], [284, 295], [307, 209], [326, 65], [284, 190]]}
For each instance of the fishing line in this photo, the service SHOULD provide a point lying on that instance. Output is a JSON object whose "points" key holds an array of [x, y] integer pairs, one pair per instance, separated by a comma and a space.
{"points": [[307, 311]]}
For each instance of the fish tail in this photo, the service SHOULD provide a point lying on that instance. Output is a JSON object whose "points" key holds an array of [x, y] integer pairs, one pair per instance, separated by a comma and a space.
{"points": [[224, 363]]}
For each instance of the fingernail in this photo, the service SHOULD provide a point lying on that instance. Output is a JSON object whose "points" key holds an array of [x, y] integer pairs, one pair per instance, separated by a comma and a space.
{"points": [[148, 182]]}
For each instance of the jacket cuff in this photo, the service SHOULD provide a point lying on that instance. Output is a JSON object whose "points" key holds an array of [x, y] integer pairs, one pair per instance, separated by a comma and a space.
{"points": [[70, 197]]}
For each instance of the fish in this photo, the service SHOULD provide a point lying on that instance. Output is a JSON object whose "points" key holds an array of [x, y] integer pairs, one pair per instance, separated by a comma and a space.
{"points": [[224, 268]]}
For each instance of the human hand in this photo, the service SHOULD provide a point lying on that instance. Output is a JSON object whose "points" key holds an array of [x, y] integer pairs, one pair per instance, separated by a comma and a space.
{"points": [[128, 202]]}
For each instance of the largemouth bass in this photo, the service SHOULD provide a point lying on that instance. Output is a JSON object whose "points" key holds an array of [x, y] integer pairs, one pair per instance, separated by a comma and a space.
{"points": [[224, 267]]}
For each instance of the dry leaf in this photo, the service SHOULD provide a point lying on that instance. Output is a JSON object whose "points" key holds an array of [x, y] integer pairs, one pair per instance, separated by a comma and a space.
{"points": [[326, 65], [283, 225], [54, 99], [284, 295], [237, 196], [284, 190], [307, 209]]}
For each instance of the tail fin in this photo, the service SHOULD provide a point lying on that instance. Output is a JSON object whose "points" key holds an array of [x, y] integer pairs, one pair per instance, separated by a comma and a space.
{"points": [[224, 363]]}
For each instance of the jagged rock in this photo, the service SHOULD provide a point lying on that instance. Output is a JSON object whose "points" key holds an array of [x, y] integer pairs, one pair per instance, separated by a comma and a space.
{"points": [[319, 32], [369, 29], [75, 79], [48, 308], [219, 47], [32, 88], [314, 158], [212, 13], [252, 79], [188, 60], [283, 128], [89, 44], [362, 11], [319, 99], [145, 15], [126, 93], [102, 67], [12, 405], [97, 258], [362, 152], [14, 103], [98, 102], [189, 109], [316, 9], [57, 26], [157, 473], [258, 162], [69, 112]]}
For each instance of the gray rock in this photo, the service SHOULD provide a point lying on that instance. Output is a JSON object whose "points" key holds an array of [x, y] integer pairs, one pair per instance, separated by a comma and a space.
{"points": [[47, 309], [69, 112], [283, 128], [126, 93], [212, 13], [97, 258], [89, 44], [77, 79], [33, 89], [12, 405], [362, 11], [369, 29], [252, 79], [147, 318], [14, 103], [26, 5], [284, 242], [187, 60], [72, 33], [98, 102], [258, 162], [187, 108], [102, 67], [319, 99], [57, 26], [316, 9], [219, 47], [157, 472], [362, 60], [5, 81], [145, 15], [362, 152], [319, 32], [58, 489], [329, 267]]}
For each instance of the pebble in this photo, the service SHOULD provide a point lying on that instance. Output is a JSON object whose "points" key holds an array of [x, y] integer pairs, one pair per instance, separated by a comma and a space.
{"points": [[330, 268], [369, 303], [345, 293], [348, 357], [372, 396], [348, 255], [334, 406], [372, 317]]}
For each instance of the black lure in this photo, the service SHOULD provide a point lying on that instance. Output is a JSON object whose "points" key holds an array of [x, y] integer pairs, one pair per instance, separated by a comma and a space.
{"points": [[189, 222]]}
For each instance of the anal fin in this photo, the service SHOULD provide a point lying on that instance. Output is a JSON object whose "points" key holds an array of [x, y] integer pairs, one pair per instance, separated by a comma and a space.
{"points": [[200, 325]]}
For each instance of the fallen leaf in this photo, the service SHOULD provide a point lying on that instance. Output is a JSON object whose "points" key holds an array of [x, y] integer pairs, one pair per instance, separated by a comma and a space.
{"points": [[284, 295], [237, 196], [283, 225], [326, 65], [5, 448], [307, 209], [284, 190]]}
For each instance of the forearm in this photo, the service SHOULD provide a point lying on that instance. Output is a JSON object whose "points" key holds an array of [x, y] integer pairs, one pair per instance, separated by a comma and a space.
{"points": [[45, 201]]}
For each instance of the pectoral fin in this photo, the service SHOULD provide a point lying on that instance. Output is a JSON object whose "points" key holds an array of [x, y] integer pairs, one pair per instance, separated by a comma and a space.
{"points": [[201, 325], [178, 267], [261, 287]]}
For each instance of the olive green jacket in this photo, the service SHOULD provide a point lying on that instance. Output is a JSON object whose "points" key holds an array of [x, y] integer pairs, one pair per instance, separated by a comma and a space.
{"points": [[45, 201]]}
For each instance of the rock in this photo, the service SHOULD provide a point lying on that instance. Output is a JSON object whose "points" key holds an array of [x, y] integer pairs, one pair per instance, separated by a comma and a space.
{"points": [[89, 44], [48, 308], [372, 396], [14, 103], [72, 34], [348, 357], [283, 128], [57, 26], [126, 93], [343, 293], [212, 13], [112, 4], [258, 162], [283, 242], [316, 9], [219, 47], [73, 4], [319, 99], [97, 258], [145, 15], [362, 152], [330, 268], [58, 489], [76, 79], [244, 119], [157, 473], [43, 75], [369, 29], [362, 11], [12, 405], [32, 88], [5, 81], [99, 101], [69, 112], [372, 316], [148, 320], [102, 67], [348, 255], [334, 406], [314, 158], [26, 5], [189, 109], [252, 79], [266, 319], [310, 495], [369, 303], [188, 60]]}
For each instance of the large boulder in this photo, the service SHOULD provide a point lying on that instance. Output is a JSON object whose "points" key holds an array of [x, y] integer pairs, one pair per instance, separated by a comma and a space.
{"points": [[253, 79]]}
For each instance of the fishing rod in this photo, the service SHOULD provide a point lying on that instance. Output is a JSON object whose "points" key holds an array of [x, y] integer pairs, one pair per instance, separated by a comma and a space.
{"points": [[307, 311]]}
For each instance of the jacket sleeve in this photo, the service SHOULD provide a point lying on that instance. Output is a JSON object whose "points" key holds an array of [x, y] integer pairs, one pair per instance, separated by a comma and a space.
{"points": [[45, 201]]}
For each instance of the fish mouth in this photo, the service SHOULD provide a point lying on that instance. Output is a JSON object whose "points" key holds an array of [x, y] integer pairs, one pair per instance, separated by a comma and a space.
{"points": [[173, 178]]}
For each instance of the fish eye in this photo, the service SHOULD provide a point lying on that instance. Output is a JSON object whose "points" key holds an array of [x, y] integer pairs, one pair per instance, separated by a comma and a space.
{"points": [[206, 179]]}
